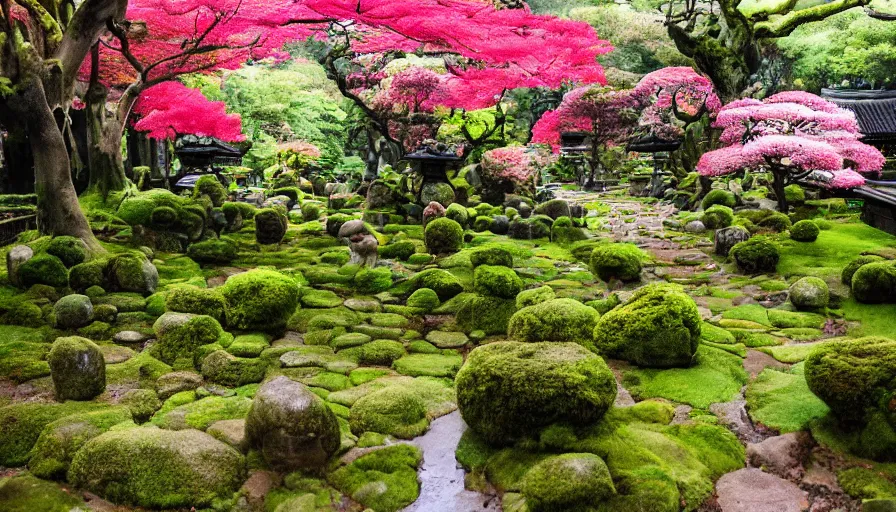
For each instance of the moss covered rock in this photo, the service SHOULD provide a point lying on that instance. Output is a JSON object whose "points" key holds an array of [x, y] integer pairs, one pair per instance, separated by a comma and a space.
{"points": [[270, 226], [394, 410], [158, 468], [617, 261], [400, 250], [755, 255], [717, 217], [293, 427], [215, 250], [43, 269], [132, 272], [424, 299], [809, 293], [875, 283], [25, 493], [659, 327], [490, 315], [566, 482], [555, 320], [720, 197], [491, 256], [444, 283], [497, 281], [384, 480], [506, 390], [534, 296], [198, 301], [69, 249], [804, 231], [78, 368], [260, 300], [209, 186], [443, 235], [555, 208], [179, 335], [73, 311], [373, 280], [222, 367], [850, 269], [21, 425], [88, 274], [457, 213]]}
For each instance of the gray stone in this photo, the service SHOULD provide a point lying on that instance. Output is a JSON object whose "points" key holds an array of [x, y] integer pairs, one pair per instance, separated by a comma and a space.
{"points": [[363, 305], [175, 382], [500, 225], [809, 293], [438, 192], [73, 311], [781, 455], [379, 195], [292, 426], [752, 490], [445, 339], [129, 337], [363, 245], [14, 259], [727, 238], [695, 226], [232, 432]]}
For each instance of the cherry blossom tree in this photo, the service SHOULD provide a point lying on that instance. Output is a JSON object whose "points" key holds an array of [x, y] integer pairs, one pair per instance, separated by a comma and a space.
{"points": [[796, 136], [513, 169], [170, 109]]}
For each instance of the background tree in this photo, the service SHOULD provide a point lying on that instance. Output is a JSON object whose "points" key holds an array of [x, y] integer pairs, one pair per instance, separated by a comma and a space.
{"points": [[794, 136]]}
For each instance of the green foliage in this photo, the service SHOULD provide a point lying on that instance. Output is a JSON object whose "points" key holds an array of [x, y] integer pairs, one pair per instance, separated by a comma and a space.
{"points": [[443, 235], [260, 300], [564, 320], [508, 389], [393, 468], [617, 261], [658, 327], [716, 376]]}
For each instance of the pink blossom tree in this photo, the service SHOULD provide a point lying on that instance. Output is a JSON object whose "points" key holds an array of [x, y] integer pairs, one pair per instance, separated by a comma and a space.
{"points": [[513, 169], [170, 109], [797, 136]]}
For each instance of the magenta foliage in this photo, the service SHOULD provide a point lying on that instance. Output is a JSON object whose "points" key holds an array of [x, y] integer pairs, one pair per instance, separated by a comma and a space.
{"points": [[606, 113], [171, 108], [517, 164]]}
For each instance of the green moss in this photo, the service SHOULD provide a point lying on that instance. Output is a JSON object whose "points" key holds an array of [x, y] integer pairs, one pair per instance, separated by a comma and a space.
{"points": [[87, 274], [457, 213], [26, 493], [395, 411], [373, 280], [567, 481], [443, 235], [617, 261], [875, 283], [384, 480], [44, 269], [850, 269], [198, 301], [424, 299], [508, 389], [555, 320], [260, 300], [400, 250], [716, 376], [25, 314], [249, 345], [381, 352], [713, 334], [717, 217], [209, 186], [493, 255], [158, 468], [833, 250], [804, 231], [718, 196], [217, 250], [200, 414], [142, 403], [783, 401], [497, 281], [755, 255], [21, 425], [180, 335], [23, 353], [658, 327], [61, 439], [790, 319], [488, 314], [140, 370], [866, 484], [429, 365], [223, 368], [534, 296], [69, 249], [809, 293], [444, 283], [77, 367]]}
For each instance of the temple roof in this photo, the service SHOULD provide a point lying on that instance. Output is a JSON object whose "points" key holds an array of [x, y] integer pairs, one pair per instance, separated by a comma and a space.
{"points": [[874, 110]]}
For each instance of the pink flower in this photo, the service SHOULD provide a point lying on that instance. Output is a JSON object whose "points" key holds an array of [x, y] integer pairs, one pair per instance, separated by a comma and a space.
{"points": [[722, 161]]}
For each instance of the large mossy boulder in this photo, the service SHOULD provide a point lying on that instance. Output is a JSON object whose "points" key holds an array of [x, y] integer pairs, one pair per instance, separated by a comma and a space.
{"points": [[131, 272], [260, 300], [659, 327], [809, 293], [395, 410], [444, 283], [443, 235], [438, 192], [756, 255], [567, 482], [78, 368], [43, 269], [497, 281], [22, 423], [73, 311], [717, 217], [69, 249], [179, 335], [506, 390], [270, 226], [555, 320], [156, 468], [875, 283], [291, 426], [198, 301], [850, 269], [617, 261]]}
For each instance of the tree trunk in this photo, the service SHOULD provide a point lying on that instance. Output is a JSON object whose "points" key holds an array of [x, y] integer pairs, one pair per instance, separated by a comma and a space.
{"points": [[58, 210], [104, 131], [778, 185]]}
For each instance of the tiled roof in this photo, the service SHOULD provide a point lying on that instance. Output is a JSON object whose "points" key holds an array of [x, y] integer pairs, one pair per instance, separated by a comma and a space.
{"points": [[875, 110]]}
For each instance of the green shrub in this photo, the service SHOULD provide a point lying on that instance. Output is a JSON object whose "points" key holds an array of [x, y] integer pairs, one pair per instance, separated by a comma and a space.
{"points": [[850, 269], [804, 231], [69, 249], [717, 217], [443, 235], [198, 301], [719, 196], [755, 255], [260, 300], [875, 283], [658, 327], [215, 250], [210, 187], [44, 269], [617, 261], [497, 281], [555, 320], [506, 390]]}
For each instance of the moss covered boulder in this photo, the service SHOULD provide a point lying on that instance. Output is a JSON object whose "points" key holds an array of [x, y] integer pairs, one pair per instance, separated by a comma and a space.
{"points": [[555, 320], [158, 468], [717, 217], [222, 367], [293, 427], [260, 300], [875, 283], [424, 299], [73, 311], [659, 328], [617, 261], [755, 255], [491, 256], [509, 389], [69, 249], [43, 269], [198, 301], [850, 269], [395, 410], [179, 335], [567, 482], [131, 272], [490, 315], [443, 235], [535, 296], [804, 231], [384, 480], [78, 368], [718, 196], [21, 425], [444, 283], [497, 281], [270, 226], [216, 250], [809, 293]]}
